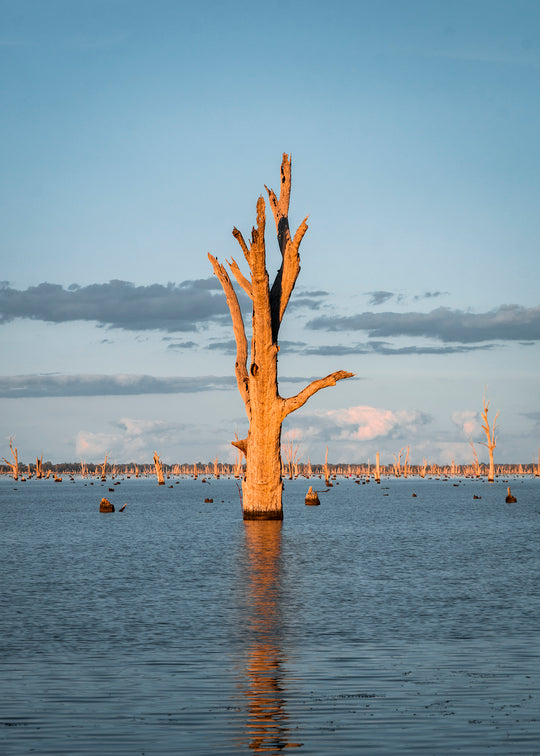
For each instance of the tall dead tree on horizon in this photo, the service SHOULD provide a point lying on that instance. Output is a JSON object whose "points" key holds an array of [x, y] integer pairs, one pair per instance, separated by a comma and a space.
{"points": [[256, 372], [15, 464], [491, 437]]}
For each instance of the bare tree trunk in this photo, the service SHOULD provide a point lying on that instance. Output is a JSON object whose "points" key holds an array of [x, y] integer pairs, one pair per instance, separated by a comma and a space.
{"points": [[406, 465], [397, 463], [377, 468], [104, 467], [15, 464], [476, 465], [491, 442], [326, 470], [159, 470], [258, 385]]}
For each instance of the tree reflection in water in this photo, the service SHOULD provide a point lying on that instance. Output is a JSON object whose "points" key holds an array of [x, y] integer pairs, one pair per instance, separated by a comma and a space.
{"points": [[267, 725]]}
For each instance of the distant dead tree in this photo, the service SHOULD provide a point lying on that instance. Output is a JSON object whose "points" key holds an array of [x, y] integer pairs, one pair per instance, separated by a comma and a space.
{"points": [[477, 470], [406, 464], [39, 467], [290, 450], [159, 470], [256, 373], [239, 457], [377, 473], [491, 437], [326, 470], [15, 464], [397, 462], [104, 467]]}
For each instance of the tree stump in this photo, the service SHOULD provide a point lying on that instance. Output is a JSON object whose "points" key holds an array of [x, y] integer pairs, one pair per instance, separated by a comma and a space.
{"points": [[312, 497], [106, 506]]}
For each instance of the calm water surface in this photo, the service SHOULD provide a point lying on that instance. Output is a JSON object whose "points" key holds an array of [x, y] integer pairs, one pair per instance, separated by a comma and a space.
{"points": [[377, 623]]}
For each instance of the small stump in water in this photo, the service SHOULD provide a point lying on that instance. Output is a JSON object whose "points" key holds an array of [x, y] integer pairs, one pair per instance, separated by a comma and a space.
{"points": [[510, 498], [106, 506], [312, 497]]}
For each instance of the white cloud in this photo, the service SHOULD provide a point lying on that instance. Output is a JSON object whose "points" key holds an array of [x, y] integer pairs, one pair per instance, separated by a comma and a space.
{"points": [[467, 421], [133, 440], [363, 423]]}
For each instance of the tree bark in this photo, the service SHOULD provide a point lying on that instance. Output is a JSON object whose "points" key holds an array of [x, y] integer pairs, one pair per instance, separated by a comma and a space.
{"points": [[491, 437], [258, 384], [15, 464]]}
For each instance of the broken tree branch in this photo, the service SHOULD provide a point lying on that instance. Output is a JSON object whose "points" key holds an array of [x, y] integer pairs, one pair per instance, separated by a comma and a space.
{"points": [[295, 402]]}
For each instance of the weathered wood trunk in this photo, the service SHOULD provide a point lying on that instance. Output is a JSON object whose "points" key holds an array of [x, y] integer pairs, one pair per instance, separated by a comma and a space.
{"points": [[263, 484], [258, 383], [491, 437], [15, 464], [377, 468], [159, 470]]}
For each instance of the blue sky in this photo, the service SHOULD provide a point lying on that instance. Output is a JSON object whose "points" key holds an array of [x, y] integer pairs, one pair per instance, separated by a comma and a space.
{"points": [[135, 135]]}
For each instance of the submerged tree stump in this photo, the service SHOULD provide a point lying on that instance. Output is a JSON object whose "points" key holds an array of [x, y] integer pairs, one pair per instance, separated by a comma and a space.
{"points": [[312, 497], [106, 506]]}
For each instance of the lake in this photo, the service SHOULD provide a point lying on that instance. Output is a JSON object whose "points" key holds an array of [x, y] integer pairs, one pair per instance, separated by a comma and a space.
{"points": [[400, 618]]}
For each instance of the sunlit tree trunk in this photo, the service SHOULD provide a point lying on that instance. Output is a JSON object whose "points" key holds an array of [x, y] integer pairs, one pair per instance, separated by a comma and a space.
{"points": [[377, 468], [397, 463], [491, 437], [159, 470], [257, 373], [477, 470], [290, 451], [326, 470], [104, 467], [406, 465], [15, 464]]}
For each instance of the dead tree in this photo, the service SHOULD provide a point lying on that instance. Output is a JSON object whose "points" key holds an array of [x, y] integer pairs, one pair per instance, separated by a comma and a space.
{"points": [[476, 465], [397, 462], [39, 467], [291, 452], [491, 442], [256, 372], [15, 464], [159, 470], [104, 467], [377, 473], [406, 465], [326, 470]]}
